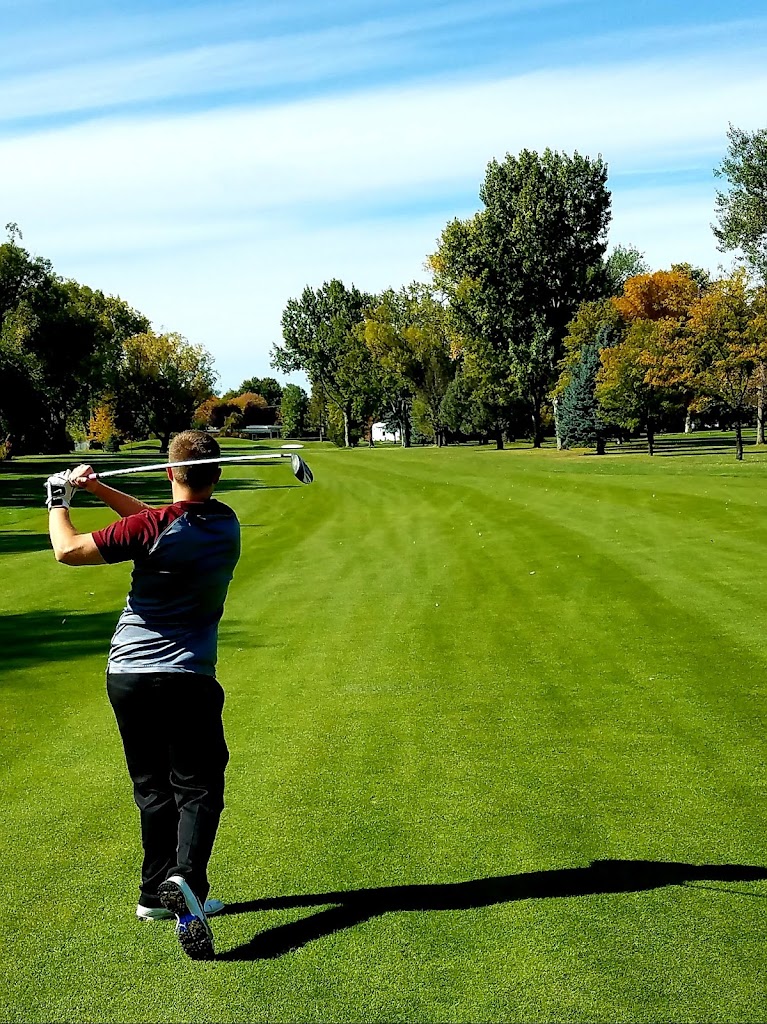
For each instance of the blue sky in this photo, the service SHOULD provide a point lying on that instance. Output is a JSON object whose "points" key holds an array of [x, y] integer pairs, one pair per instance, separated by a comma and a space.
{"points": [[206, 161]]}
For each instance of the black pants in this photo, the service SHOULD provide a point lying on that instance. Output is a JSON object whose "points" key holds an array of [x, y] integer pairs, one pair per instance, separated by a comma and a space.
{"points": [[171, 728]]}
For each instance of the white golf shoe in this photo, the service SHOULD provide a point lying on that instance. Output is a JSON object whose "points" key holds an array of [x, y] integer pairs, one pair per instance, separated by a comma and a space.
{"points": [[192, 928]]}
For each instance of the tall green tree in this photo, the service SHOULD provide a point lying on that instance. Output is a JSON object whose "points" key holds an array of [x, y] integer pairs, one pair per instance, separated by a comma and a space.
{"points": [[382, 331], [741, 211], [408, 333], [21, 275], [21, 391], [64, 339], [162, 381], [463, 409], [294, 410], [518, 270], [486, 357], [24, 400], [320, 337]]}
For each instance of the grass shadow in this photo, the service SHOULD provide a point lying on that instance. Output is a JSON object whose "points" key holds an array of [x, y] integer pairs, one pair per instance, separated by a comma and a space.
{"points": [[18, 542], [347, 909], [29, 638]]}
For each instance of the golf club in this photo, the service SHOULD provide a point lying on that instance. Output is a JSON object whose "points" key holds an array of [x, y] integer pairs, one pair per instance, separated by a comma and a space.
{"points": [[300, 469]]}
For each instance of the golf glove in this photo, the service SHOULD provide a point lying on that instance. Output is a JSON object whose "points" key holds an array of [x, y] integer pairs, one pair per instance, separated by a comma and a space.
{"points": [[59, 491]]}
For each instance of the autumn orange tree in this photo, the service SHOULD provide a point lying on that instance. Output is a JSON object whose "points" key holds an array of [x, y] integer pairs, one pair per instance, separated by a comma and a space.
{"points": [[210, 413], [644, 371], [627, 394], [253, 408], [663, 295]]}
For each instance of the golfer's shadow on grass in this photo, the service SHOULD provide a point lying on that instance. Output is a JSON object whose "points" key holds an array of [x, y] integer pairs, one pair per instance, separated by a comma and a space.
{"points": [[358, 905]]}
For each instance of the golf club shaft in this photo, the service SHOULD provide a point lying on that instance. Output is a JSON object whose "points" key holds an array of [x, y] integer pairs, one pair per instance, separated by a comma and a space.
{"points": [[189, 462]]}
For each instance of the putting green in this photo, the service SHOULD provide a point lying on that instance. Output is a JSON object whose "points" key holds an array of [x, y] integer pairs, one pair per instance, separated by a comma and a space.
{"points": [[457, 679]]}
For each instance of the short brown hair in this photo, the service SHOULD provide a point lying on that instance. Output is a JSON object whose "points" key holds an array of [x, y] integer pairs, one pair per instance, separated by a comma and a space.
{"points": [[195, 444]]}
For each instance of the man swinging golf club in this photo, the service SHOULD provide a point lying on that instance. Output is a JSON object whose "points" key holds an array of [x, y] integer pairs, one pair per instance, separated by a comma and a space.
{"points": [[161, 671]]}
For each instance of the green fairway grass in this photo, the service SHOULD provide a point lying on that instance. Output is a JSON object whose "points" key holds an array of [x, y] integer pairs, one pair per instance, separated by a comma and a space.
{"points": [[497, 731]]}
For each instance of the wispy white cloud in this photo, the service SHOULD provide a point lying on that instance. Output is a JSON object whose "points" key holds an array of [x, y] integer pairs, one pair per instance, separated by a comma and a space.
{"points": [[254, 48], [210, 222], [198, 71], [387, 142]]}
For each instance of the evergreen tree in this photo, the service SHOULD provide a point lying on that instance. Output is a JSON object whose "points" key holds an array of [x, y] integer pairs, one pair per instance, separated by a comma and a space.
{"points": [[580, 425]]}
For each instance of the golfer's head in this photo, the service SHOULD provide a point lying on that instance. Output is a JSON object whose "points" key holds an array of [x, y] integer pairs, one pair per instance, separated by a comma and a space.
{"points": [[191, 445]]}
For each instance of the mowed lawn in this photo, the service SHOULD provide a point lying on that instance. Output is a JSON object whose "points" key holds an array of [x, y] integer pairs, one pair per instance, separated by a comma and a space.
{"points": [[497, 725]]}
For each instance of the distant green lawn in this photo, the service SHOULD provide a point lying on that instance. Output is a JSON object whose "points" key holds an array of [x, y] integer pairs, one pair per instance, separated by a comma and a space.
{"points": [[456, 680]]}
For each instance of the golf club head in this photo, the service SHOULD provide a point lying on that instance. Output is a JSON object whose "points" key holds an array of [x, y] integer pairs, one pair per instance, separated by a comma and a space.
{"points": [[300, 470]]}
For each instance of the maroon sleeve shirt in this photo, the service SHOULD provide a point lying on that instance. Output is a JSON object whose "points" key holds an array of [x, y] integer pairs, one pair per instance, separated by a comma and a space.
{"points": [[134, 536]]}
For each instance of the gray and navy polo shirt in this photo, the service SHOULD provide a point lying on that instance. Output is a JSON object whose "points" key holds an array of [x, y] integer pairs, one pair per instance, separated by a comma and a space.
{"points": [[184, 557]]}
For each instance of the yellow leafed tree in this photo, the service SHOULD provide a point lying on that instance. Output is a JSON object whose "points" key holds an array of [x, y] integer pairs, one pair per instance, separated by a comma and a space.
{"points": [[102, 427], [725, 347], [664, 295]]}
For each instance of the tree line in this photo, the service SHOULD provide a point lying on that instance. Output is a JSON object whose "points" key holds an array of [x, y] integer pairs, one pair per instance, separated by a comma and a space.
{"points": [[258, 400], [674, 346], [75, 362], [77, 365], [528, 326]]}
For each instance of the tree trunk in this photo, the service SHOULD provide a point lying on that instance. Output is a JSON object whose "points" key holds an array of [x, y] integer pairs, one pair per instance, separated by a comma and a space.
{"points": [[536, 417], [347, 441], [650, 437], [600, 445], [556, 427], [739, 441], [164, 442], [499, 439], [405, 431], [688, 422], [760, 403]]}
